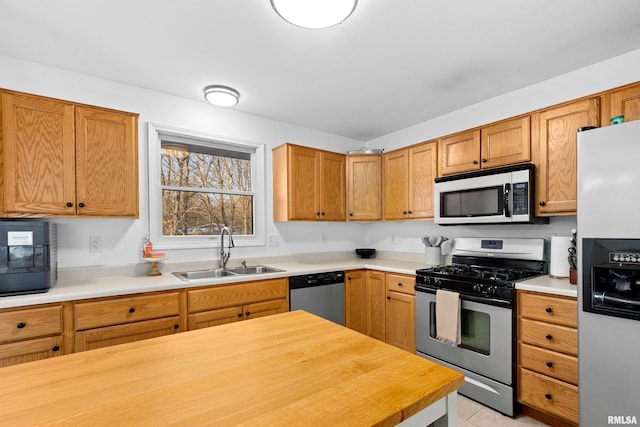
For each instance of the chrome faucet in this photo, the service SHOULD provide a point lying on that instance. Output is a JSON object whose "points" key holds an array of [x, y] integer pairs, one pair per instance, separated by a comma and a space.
{"points": [[224, 256]]}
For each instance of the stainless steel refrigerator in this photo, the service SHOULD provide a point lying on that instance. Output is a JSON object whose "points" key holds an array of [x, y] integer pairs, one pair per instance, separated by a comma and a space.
{"points": [[608, 224]]}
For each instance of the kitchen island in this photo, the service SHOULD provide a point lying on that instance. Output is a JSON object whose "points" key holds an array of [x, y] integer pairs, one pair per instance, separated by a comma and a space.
{"points": [[288, 369]]}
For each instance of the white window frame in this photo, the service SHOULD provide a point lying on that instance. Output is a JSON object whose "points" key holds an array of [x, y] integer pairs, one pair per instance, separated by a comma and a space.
{"points": [[156, 134]]}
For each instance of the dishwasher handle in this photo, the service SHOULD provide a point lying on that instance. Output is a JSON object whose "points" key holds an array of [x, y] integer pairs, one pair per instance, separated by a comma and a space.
{"points": [[318, 279]]}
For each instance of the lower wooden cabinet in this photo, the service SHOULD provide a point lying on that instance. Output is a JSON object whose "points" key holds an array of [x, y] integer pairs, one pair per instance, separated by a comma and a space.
{"points": [[548, 356], [401, 311], [223, 304], [31, 333]]}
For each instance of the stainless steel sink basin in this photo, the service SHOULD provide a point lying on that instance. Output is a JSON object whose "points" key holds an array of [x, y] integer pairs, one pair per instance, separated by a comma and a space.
{"points": [[219, 272], [254, 269], [203, 274]]}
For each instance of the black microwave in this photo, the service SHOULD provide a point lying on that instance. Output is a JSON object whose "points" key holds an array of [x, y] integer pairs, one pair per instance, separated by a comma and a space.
{"points": [[492, 196]]}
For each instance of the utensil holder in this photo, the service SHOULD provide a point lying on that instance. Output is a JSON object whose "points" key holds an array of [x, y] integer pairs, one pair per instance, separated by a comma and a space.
{"points": [[433, 256]]}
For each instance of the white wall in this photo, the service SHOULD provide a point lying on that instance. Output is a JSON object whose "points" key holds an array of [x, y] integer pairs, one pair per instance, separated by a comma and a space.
{"points": [[122, 238]]}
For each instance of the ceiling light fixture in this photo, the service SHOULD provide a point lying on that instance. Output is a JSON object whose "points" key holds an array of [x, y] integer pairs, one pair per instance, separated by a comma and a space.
{"points": [[314, 13], [222, 96]]}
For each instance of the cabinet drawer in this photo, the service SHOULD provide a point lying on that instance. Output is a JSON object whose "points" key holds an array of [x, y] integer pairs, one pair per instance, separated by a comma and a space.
{"points": [[30, 350], [121, 334], [30, 323], [233, 295], [401, 283], [125, 310], [551, 363], [548, 309], [553, 337], [548, 395]]}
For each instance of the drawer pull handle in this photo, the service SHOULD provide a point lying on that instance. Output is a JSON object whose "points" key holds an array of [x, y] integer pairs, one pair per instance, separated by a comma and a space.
{"points": [[248, 313], [176, 326], [550, 364], [547, 396], [549, 337], [399, 284], [55, 348], [21, 325], [132, 310], [239, 314], [388, 297], [548, 309]]}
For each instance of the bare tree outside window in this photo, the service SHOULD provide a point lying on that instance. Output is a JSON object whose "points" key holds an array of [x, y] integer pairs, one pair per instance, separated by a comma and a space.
{"points": [[205, 188]]}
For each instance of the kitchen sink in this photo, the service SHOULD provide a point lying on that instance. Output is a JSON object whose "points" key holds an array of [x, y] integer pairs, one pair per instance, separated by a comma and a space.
{"points": [[203, 274], [219, 272], [254, 269]]}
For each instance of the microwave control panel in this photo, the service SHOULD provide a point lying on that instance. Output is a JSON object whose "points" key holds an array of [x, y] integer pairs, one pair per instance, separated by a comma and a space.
{"points": [[521, 198], [624, 257]]}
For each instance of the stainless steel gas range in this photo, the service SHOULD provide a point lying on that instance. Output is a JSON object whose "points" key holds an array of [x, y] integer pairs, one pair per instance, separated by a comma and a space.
{"points": [[483, 272]]}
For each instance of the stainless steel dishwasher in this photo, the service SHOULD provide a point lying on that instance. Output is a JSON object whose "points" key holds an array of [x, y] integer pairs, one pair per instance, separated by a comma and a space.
{"points": [[321, 294]]}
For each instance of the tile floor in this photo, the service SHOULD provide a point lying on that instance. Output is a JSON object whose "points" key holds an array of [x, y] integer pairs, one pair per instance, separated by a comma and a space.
{"points": [[473, 414]]}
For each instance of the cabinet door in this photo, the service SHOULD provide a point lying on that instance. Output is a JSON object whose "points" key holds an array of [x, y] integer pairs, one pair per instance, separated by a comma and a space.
{"points": [[364, 188], [220, 316], [354, 301], [506, 143], [555, 154], [376, 290], [423, 164], [459, 152], [30, 350], [401, 321], [395, 184], [626, 102], [333, 187], [120, 334], [106, 163], [303, 182], [38, 155], [265, 308]]}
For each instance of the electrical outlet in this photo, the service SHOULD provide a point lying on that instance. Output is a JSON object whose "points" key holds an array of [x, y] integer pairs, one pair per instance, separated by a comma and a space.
{"points": [[95, 243], [273, 240]]}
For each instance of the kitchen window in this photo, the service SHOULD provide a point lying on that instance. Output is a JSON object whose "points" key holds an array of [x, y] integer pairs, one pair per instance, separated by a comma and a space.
{"points": [[199, 183]]}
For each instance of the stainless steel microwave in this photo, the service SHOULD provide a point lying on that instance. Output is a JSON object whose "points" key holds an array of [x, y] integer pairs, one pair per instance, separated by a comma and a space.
{"points": [[492, 196]]}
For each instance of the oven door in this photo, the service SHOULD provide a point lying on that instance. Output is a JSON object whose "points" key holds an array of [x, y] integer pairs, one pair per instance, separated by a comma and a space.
{"points": [[486, 346]]}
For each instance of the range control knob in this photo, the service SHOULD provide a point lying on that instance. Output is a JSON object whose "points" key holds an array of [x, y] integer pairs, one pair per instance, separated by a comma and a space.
{"points": [[492, 290], [477, 287]]}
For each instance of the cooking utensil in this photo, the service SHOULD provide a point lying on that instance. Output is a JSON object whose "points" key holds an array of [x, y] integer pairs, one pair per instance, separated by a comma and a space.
{"points": [[438, 241], [426, 242], [432, 240]]}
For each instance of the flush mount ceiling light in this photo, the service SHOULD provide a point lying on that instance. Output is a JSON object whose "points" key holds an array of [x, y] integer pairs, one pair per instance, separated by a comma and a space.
{"points": [[222, 96], [314, 13]]}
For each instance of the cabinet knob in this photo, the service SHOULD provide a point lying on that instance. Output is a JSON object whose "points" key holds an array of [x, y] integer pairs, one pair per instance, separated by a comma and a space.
{"points": [[404, 212], [542, 203], [21, 325], [484, 160], [548, 309], [349, 278], [350, 213], [400, 284], [322, 213], [318, 213], [81, 205], [475, 162], [388, 297], [549, 364], [239, 314], [410, 212], [547, 396], [55, 348], [69, 204], [131, 310], [549, 337], [248, 313]]}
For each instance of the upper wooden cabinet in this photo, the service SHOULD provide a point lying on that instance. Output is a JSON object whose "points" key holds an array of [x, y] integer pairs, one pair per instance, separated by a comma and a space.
{"points": [[504, 143], [364, 187], [308, 184], [554, 153], [65, 159], [625, 102], [408, 181]]}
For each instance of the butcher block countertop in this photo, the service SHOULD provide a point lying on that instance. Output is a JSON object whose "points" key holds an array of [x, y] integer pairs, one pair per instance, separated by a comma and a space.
{"points": [[283, 370]]}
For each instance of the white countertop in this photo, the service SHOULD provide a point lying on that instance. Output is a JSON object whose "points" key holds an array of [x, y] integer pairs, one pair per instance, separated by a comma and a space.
{"points": [[94, 287], [549, 285]]}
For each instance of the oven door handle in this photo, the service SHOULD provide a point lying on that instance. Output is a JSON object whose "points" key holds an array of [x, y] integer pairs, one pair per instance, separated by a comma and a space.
{"points": [[463, 297]]}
